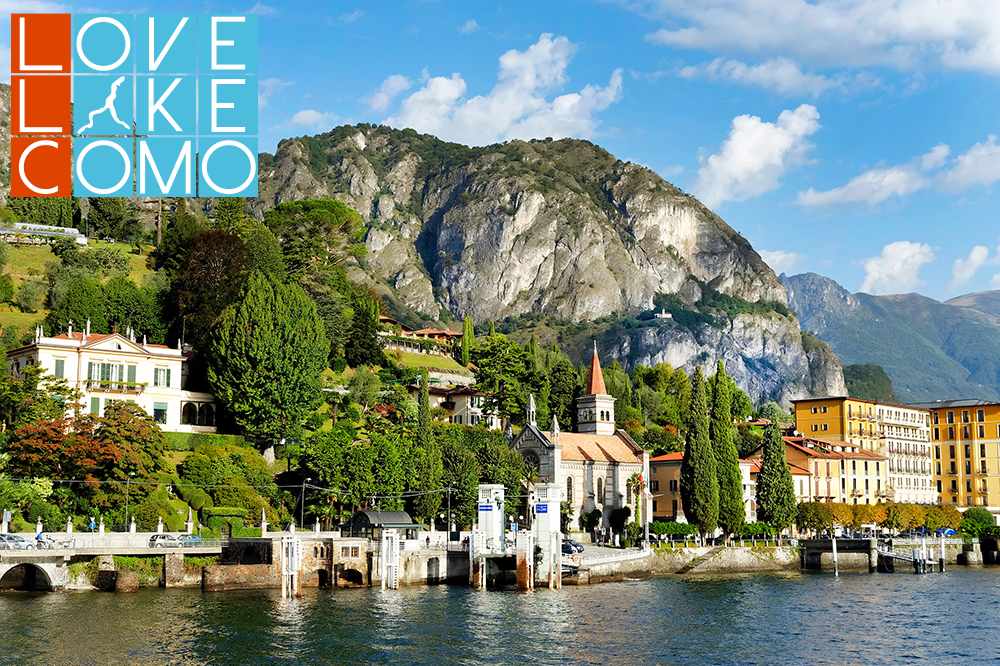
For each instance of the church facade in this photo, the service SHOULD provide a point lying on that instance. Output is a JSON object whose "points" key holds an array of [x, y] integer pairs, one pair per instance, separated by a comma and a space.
{"points": [[599, 467]]}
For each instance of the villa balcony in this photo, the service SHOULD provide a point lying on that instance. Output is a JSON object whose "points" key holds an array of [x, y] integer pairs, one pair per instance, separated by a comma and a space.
{"points": [[109, 386]]}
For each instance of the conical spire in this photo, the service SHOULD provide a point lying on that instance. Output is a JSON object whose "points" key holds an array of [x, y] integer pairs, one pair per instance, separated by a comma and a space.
{"points": [[555, 426], [595, 382], [531, 410]]}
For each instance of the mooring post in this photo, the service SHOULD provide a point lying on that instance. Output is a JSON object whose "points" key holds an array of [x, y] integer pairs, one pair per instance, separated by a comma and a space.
{"points": [[930, 561], [916, 561], [923, 552], [836, 569], [941, 561]]}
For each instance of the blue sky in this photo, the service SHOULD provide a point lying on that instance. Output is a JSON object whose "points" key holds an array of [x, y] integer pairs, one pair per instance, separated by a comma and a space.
{"points": [[853, 138]]}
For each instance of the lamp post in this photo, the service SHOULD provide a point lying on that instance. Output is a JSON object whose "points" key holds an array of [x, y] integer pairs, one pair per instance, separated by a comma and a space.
{"points": [[302, 498], [128, 483]]}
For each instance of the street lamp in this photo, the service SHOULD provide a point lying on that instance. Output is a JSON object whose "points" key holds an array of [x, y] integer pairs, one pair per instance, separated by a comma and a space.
{"points": [[302, 508], [128, 482]]}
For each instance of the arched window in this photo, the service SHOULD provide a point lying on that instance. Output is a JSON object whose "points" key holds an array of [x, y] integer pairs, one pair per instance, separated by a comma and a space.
{"points": [[600, 490], [569, 489], [628, 494]]}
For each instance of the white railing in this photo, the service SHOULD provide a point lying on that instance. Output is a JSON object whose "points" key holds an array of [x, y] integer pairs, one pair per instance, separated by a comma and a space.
{"points": [[623, 556]]}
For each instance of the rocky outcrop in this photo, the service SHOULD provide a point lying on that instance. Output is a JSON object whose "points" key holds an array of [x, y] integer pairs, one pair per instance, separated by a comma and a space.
{"points": [[4, 142]]}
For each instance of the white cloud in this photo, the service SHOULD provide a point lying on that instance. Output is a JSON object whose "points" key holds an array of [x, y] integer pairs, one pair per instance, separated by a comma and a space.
{"points": [[4, 63], [262, 9], [936, 158], [8, 7], [350, 17], [872, 187], [779, 74], [755, 156], [392, 86], [517, 106], [980, 165], [780, 262], [906, 34], [268, 87], [895, 270], [995, 281], [468, 27], [963, 270], [315, 120]]}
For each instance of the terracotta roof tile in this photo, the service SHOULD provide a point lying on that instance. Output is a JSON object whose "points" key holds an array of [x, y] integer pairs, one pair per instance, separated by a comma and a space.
{"points": [[608, 448], [595, 382]]}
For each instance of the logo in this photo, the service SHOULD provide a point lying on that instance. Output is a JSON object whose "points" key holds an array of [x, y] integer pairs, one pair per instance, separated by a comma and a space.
{"points": [[125, 105]]}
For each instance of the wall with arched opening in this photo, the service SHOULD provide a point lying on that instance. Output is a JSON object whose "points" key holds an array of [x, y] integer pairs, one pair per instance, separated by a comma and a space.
{"points": [[26, 577]]}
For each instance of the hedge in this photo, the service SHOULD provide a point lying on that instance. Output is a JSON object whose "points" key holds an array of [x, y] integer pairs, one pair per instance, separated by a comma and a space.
{"points": [[225, 512], [186, 441]]}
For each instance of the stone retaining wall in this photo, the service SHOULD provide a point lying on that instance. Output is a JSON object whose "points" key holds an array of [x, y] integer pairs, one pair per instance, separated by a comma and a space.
{"points": [[217, 577], [727, 560]]}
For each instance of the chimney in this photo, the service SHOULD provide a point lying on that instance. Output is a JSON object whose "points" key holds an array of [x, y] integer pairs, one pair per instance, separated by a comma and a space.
{"points": [[70, 329], [88, 329]]}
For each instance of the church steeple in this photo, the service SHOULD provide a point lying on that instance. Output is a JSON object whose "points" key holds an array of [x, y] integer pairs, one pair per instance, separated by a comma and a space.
{"points": [[595, 408]]}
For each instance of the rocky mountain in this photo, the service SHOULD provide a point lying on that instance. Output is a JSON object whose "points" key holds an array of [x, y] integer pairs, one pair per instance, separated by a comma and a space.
{"points": [[4, 141], [558, 228], [930, 350]]}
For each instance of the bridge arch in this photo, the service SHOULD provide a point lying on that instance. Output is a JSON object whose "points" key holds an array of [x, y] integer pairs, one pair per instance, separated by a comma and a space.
{"points": [[26, 577]]}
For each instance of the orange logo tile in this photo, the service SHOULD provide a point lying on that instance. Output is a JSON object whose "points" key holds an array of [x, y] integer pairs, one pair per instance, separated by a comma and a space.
{"points": [[41, 105], [41, 166], [42, 44]]}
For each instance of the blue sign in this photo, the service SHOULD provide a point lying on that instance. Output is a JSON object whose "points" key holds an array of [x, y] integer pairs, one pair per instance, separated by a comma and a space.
{"points": [[541, 508], [485, 507]]}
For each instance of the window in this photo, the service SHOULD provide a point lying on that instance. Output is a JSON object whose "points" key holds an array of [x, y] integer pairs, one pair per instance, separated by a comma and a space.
{"points": [[968, 485], [937, 452], [954, 486], [965, 416], [939, 485], [815, 427], [951, 417], [968, 467], [824, 426], [982, 450], [160, 412], [628, 493], [95, 406], [935, 418], [951, 451], [965, 432], [673, 485], [980, 415], [951, 432], [937, 433], [569, 489], [951, 470], [600, 491], [60, 368], [654, 506], [131, 373], [968, 451], [161, 377], [654, 486], [938, 468], [982, 431], [815, 409], [823, 409]]}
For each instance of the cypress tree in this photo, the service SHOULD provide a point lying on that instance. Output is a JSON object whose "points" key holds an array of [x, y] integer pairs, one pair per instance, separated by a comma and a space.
{"points": [[424, 433], [699, 482], [429, 459], [732, 513], [775, 489], [468, 339], [493, 328]]}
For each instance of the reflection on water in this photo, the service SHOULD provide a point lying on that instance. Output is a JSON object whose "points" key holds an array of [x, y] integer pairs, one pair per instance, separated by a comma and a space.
{"points": [[752, 619]]}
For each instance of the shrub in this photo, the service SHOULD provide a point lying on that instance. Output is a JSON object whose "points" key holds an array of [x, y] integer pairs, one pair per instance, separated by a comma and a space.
{"points": [[6, 289]]}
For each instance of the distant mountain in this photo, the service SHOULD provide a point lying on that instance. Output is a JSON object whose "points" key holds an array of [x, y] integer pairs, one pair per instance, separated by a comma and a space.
{"points": [[869, 382], [559, 229], [930, 350], [4, 141], [984, 301]]}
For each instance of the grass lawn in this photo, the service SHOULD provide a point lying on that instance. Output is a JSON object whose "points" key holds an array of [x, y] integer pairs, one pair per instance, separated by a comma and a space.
{"points": [[25, 321], [136, 263], [26, 260], [429, 361]]}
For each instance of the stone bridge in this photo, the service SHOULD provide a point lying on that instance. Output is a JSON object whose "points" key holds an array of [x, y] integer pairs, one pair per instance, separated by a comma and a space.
{"points": [[35, 570]]}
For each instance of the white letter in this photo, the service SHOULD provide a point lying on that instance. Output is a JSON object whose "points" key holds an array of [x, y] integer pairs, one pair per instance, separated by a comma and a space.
{"points": [[20, 167], [34, 68], [225, 105], [34, 130], [158, 106], [121, 151], [86, 60], [184, 156], [216, 42], [154, 63], [208, 179]]}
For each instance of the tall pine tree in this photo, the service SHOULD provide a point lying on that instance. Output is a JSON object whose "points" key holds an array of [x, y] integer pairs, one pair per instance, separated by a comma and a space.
{"points": [[428, 459], [468, 340], [775, 488], [732, 513], [699, 482]]}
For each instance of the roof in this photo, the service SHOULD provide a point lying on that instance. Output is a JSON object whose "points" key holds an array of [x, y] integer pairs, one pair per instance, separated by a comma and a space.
{"points": [[878, 402], [823, 448], [447, 390], [595, 382], [586, 446], [669, 457], [948, 404], [381, 518]]}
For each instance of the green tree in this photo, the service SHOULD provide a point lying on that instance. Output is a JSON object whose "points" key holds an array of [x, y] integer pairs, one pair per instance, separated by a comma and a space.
{"points": [[699, 480], [814, 516], [424, 434], [31, 294], [85, 300], [460, 471], [468, 340], [178, 239], [229, 214], [976, 519], [327, 288], [129, 306], [313, 231], [113, 217], [53, 211], [265, 357], [775, 487], [364, 344], [501, 367], [732, 513], [363, 387], [563, 390]]}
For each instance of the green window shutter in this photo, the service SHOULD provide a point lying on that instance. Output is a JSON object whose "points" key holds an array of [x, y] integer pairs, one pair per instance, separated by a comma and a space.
{"points": [[60, 368], [106, 372], [121, 373], [95, 405], [131, 373], [168, 377], [90, 370]]}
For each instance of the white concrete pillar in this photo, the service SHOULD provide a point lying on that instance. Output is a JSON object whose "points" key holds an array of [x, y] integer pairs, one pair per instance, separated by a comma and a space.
{"points": [[38, 526], [131, 527], [100, 526], [69, 525], [159, 525]]}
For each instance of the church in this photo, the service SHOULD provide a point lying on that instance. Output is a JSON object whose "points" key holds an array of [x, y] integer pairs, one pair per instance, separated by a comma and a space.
{"points": [[594, 466]]}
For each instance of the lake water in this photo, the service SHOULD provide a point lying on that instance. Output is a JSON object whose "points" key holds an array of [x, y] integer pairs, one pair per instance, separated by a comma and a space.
{"points": [[749, 619]]}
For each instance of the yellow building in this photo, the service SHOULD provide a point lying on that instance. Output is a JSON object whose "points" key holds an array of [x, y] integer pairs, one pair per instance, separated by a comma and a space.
{"points": [[901, 433], [965, 435]]}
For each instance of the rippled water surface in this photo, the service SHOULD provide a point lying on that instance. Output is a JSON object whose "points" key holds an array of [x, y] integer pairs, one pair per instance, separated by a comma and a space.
{"points": [[761, 619]]}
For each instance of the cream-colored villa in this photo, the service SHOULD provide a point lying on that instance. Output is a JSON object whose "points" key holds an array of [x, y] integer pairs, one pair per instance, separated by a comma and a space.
{"points": [[106, 367]]}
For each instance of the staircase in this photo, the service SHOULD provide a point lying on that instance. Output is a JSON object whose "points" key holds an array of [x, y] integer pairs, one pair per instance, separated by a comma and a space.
{"points": [[696, 562]]}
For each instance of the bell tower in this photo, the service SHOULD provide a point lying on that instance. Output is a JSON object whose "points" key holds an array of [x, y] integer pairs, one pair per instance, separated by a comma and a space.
{"points": [[595, 409]]}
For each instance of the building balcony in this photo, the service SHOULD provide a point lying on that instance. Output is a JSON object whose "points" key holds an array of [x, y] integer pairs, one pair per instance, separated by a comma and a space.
{"points": [[135, 388]]}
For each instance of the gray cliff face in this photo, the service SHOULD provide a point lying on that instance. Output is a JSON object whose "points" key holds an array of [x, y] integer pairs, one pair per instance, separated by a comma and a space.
{"points": [[560, 228], [4, 142], [765, 355]]}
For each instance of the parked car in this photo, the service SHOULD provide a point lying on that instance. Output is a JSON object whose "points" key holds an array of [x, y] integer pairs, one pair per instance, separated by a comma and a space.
{"points": [[189, 541], [162, 541], [15, 542], [576, 545], [568, 549]]}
